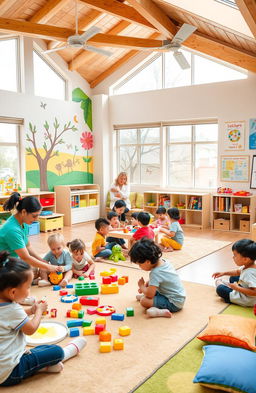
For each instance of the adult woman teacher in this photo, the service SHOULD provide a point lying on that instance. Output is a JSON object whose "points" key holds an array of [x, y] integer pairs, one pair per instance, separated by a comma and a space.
{"points": [[120, 189]]}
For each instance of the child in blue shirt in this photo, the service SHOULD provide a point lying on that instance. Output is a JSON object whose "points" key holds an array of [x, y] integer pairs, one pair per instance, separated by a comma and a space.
{"points": [[175, 237], [58, 256], [163, 293]]}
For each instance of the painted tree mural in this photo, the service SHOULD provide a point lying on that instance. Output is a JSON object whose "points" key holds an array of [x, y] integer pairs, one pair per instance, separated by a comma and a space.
{"points": [[52, 140], [86, 105]]}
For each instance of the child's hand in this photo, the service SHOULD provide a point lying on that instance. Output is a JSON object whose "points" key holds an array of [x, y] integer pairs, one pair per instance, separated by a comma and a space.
{"points": [[41, 306], [233, 285], [141, 282], [217, 275]]}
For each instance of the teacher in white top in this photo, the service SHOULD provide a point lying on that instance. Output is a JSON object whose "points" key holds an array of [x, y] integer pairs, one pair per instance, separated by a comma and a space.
{"points": [[120, 190]]}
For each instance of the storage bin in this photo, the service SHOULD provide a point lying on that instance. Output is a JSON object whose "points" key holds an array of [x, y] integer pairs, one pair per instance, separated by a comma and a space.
{"points": [[222, 224], [47, 201], [83, 203], [49, 223], [93, 202], [253, 237], [245, 225], [34, 228]]}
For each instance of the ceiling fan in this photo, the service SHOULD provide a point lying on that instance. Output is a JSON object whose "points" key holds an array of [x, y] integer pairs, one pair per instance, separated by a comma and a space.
{"points": [[80, 41]]}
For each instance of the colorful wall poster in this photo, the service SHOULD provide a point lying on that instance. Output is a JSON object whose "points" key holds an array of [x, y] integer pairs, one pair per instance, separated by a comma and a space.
{"points": [[234, 168], [234, 135], [252, 134]]}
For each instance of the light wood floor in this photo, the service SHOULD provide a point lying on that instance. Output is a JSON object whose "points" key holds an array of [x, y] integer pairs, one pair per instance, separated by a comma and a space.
{"points": [[199, 271]]}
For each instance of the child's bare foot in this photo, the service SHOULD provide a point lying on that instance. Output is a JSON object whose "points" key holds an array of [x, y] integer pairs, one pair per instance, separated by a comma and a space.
{"points": [[168, 249], [99, 259], [124, 247], [154, 312], [63, 283], [138, 297]]}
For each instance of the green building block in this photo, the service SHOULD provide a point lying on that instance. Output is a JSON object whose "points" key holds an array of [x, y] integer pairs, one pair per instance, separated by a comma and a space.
{"points": [[129, 311], [86, 322], [86, 288], [81, 278]]}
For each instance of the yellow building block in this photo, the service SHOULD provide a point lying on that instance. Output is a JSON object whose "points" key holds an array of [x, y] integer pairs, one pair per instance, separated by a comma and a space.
{"points": [[124, 331], [111, 288], [76, 306], [100, 321], [105, 346], [105, 336], [108, 273], [73, 314], [88, 330], [118, 344], [121, 281]]}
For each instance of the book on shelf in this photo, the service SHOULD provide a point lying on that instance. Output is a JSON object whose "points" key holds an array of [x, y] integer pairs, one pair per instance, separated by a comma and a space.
{"points": [[195, 203], [238, 207]]}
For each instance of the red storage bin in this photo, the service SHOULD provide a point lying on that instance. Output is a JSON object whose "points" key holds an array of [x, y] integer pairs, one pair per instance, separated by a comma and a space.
{"points": [[47, 201]]}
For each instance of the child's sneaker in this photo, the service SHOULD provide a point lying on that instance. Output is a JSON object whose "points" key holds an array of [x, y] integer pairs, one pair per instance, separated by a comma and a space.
{"points": [[43, 283], [28, 301]]}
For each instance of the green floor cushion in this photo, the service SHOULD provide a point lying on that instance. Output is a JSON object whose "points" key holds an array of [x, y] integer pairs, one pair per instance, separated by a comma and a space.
{"points": [[132, 198], [139, 201]]}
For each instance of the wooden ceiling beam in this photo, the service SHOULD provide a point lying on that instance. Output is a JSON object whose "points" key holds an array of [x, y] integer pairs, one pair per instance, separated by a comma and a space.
{"points": [[155, 16], [118, 41], [48, 11], [248, 10], [120, 10], [86, 55]]}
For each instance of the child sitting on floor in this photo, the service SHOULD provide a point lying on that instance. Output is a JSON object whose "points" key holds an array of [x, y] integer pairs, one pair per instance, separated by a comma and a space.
{"points": [[120, 208], [163, 293], [83, 264], [101, 249], [17, 363], [241, 287], [144, 230], [115, 226], [58, 256], [134, 221], [175, 237], [162, 219]]}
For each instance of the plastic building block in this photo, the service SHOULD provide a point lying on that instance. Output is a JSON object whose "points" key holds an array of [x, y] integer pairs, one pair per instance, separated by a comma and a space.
{"points": [[69, 286], [118, 344], [126, 279], [76, 306], [88, 330], [75, 314], [112, 288], [121, 281], [69, 299], [56, 287], [86, 322], [117, 317], [100, 321], [53, 312], [74, 323], [114, 277], [124, 331], [106, 280], [91, 276], [74, 332], [91, 310], [99, 328], [105, 311], [107, 274], [63, 292], [89, 300], [105, 336], [105, 347], [81, 278], [129, 311], [86, 288]]}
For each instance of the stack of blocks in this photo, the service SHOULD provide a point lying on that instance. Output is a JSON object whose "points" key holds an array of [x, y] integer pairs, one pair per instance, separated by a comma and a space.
{"points": [[86, 288]]}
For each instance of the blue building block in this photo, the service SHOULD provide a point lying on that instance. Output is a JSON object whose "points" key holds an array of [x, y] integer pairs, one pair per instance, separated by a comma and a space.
{"points": [[70, 286], [74, 332], [56, 287], [74, 323], [117, 317], [86, 288]]}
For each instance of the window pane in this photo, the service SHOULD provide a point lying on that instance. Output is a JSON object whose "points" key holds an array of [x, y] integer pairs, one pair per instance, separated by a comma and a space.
{"points": [[8, 133], [206, 165], [149, 78], [149, 135], [47, 82], [8, 65], [179, 133], [175, 76], [9, 162], [179, 166], [128, 136], [206, 132], [150, 165], [207, 71], [129, 163]]}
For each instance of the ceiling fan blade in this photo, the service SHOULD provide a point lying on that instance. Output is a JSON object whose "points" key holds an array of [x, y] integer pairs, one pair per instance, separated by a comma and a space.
{"points": [[56, 49], [184, 32], [98, 50], [181, 60], [90, 33]]}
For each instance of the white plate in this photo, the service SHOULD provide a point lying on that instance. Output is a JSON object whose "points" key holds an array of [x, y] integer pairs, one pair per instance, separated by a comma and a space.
{"points": [[48, 332]]}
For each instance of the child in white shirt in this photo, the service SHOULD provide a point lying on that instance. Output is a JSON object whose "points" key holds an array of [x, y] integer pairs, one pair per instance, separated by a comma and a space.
{"points": [[82, 263]]}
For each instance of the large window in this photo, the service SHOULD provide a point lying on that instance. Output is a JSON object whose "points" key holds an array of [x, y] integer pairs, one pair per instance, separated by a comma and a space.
{"points": [[47, 82], [9, 151], [9, 70]]}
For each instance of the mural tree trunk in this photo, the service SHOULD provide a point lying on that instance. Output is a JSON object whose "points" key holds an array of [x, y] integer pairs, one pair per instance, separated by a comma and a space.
{"points": [[52, 140]]}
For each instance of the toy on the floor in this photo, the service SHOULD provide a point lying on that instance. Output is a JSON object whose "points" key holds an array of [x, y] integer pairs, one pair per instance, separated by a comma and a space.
{"points": [[117, 254], [69, 299], [107, 274], [53, 312], [47, 333], [86, 288], [105, 310], [55, 277]]}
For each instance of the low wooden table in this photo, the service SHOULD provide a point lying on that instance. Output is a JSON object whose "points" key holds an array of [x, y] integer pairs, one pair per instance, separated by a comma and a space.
{"points": [[128, 236]]}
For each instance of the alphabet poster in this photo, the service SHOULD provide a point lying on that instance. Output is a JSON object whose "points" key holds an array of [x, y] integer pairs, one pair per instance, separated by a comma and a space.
{"points": [[234, 135]]}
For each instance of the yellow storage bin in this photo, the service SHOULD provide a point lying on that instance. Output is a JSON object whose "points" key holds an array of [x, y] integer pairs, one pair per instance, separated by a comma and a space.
{"points": [[50, 223], [83, 203], [93, 202]]}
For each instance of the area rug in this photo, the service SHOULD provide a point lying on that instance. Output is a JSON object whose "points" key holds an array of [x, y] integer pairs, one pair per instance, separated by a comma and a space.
{"points": [[151, 342], [177, 374]]}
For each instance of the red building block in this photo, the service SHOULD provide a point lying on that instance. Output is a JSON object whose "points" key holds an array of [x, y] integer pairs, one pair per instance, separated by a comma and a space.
{"points": [[63, 292], [91, 310], [89, 300], [99, 328], [106, 280], [114, 278]]}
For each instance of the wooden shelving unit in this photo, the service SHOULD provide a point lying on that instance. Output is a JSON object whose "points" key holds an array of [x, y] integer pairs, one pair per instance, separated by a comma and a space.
{"points": [[78, 203], [194, 206], [233, 212]]}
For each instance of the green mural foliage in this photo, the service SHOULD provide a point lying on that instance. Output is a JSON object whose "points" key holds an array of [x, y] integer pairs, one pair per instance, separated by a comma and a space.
{"points": [[86, 105]]}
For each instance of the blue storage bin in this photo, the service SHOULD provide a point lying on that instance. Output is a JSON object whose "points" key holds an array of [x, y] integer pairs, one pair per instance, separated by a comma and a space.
{"points": [[34, 228]]}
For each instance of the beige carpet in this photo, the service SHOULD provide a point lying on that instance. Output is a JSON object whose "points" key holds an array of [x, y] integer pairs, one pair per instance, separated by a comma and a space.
{"points": [[151, 342]]}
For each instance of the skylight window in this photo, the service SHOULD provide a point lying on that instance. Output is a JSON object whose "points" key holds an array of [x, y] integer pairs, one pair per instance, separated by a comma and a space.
{"points": [[231, 3]]}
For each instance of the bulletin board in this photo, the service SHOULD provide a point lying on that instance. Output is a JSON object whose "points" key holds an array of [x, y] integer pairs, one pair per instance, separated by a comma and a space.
{"points": [[234, 168]]}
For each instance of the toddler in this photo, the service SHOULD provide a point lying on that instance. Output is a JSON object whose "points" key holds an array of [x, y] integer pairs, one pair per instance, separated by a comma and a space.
{"points": [[163, 293], [162, 219], [115, 226], [144, 230], [83, 264], [120, 208], [241, 287], [101, 249], [58, 256], [175, 237], [17, 363], [134, 221]]}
